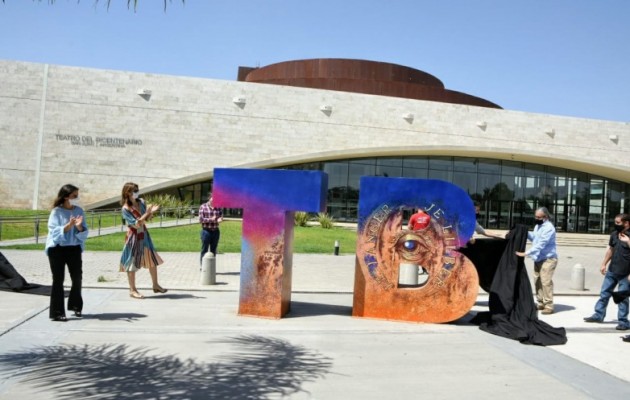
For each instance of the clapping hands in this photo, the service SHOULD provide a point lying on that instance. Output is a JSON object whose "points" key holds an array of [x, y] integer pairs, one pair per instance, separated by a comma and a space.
{"points": [[75, 221], [151, 208]]}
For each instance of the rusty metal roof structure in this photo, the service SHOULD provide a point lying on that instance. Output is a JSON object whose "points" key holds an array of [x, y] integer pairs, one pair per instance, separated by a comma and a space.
{"points": [[360, 76]]}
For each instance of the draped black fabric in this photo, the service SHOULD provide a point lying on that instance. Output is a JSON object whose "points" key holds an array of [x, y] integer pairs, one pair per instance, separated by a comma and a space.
{"points": [[620, 296], [485, 254], [513, 311], [10, 278]]}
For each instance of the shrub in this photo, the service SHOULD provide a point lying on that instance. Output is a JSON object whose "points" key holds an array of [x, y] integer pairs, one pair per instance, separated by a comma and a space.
{"points": [[301, 218], [325, 220], [170, 206]]}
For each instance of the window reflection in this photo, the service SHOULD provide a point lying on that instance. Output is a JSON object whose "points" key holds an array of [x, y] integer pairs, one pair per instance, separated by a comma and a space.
{"points": [[508, 191]]}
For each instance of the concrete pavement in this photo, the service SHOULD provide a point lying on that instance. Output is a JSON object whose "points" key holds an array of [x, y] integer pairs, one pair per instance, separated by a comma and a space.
{"points": [[190, 342]]}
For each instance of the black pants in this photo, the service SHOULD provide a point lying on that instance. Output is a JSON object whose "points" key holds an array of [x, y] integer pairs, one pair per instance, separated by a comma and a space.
{"points": [[59, 257], [209, 240]]}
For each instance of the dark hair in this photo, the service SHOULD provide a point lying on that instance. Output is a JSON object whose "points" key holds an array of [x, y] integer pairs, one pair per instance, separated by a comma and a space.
{"points": [[624, 217], [127, 187], [65, 191]]}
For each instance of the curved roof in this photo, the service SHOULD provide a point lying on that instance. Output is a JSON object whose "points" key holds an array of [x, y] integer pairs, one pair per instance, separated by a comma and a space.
{"points": [[360, 76]]}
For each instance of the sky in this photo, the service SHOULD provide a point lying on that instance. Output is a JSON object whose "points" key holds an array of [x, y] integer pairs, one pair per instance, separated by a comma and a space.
{"points": [[560, 57]]}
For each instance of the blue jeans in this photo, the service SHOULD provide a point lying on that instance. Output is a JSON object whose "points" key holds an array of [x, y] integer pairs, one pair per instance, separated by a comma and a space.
{"points": [[209, 240], [611, 280]]}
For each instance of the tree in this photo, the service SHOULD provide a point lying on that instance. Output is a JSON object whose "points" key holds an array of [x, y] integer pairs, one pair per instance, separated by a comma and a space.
{"points": [[129, 2]]}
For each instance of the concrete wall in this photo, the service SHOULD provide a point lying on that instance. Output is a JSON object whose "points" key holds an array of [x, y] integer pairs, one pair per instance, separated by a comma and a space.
{"points": [[91, 128]]}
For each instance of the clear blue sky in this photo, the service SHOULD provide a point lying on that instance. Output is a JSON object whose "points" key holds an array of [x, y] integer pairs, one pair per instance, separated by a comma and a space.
{"points": [[562, 57]]}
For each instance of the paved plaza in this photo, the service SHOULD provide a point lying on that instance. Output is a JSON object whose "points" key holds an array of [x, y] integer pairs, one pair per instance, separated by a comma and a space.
{"points": [[190, 342]]}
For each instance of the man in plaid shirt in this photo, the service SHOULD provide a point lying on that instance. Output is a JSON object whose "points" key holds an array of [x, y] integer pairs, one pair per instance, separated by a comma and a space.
{"points": [[209, 218]]}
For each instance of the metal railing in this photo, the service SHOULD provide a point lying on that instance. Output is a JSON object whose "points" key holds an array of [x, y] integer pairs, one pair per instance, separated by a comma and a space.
{"points": [[36, 226]]}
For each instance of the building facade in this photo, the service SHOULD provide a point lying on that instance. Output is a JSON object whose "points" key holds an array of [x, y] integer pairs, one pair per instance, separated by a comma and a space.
{"points": [[99, 129]]}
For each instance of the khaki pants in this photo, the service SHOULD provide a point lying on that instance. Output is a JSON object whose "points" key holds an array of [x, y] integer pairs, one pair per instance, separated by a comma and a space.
{"points": [[543, 273]]}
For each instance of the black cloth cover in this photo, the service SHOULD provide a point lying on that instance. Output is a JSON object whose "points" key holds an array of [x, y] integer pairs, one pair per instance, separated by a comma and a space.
{"points": [[485, 254], [620, 296], [513, 311], [10, 278]]}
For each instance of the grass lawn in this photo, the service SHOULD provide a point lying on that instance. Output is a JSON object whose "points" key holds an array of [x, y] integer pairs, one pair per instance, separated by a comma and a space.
{"points": [[18, 224], [310, 239]]}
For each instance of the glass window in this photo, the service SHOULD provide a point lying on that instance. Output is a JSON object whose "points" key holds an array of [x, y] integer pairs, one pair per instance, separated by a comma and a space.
{"points": [[389, 161], [509, 191], [388, 171], [488, 166], [465, 164], [368, 161], [415, 173], [511, 168], [355, 173], [337, 197], [442, 175], [337, 173], [416, 162], [466, 181], [487, 186], [314, 166], [441, 163], [533, 169], [531, 187], [506, 188]]}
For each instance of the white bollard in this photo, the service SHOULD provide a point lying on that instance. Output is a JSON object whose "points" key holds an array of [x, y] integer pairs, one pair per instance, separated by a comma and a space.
{"points": [[208, 269], [408, 274], [577, 277]]}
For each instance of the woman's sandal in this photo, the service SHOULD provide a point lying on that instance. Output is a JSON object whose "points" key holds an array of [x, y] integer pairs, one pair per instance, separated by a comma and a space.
{"points": [[60, 318], [78, 313], [160, 290], [136, 295]]}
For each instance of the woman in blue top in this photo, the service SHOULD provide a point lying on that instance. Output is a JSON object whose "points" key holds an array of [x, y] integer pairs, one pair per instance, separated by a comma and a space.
{"points": [[67, 233]]}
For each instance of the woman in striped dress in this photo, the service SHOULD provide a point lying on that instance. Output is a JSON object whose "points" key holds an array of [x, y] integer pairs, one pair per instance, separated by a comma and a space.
{"points": [[138, 251]]}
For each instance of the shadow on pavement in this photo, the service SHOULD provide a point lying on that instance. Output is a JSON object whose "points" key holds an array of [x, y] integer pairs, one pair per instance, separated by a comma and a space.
{"points": [[557, 308], [259, 367], [33, 288], [115, 316], [172, 296], [302, 309], [594, 329]]}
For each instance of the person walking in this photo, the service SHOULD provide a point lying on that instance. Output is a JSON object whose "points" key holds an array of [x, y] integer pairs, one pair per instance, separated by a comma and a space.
{"points": [[138, 251], [545, 255], [67, 233], [209, 218], [616, 269]]}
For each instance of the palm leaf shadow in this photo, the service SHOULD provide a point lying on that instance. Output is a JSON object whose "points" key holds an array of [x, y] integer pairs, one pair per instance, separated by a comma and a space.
{"points": [[260, 367]]}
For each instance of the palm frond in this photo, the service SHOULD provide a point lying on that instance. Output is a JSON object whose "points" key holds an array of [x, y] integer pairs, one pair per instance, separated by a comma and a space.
{"points": [[129, 2]]}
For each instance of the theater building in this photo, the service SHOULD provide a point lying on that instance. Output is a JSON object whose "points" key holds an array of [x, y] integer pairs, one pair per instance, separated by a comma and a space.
{"points": [[98, 129]]}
